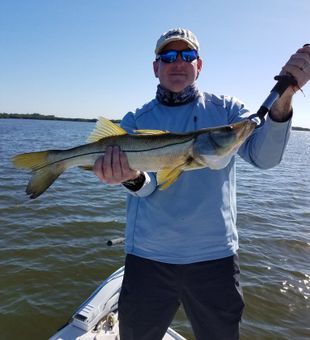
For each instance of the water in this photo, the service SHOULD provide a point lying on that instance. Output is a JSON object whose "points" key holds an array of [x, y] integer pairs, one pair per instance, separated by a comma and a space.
{"points": [[53, 251]]}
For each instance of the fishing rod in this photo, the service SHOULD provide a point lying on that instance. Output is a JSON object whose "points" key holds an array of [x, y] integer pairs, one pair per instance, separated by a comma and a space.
{"points": [[284, 82]]}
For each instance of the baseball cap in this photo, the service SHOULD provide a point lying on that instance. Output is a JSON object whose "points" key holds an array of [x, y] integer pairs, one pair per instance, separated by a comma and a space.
{"points": [[177, 34]]}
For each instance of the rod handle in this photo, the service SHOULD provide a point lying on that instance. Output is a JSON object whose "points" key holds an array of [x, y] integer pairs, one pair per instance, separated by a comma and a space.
{"points": [[115, 241]]}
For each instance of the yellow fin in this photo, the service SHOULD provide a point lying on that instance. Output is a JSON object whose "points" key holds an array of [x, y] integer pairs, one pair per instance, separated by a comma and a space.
{"points": [[105, 128], [32, 160], [151, 132], [44, 173], [41, 180], [168, 176]]}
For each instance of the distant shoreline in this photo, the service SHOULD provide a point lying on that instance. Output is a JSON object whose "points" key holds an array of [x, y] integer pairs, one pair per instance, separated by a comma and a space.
{"points": [[52, 117], [39, 116]]}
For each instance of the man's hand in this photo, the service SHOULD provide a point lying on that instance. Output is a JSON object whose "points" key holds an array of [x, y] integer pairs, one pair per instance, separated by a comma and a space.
{"points": [[113, 167], [299, 67]]}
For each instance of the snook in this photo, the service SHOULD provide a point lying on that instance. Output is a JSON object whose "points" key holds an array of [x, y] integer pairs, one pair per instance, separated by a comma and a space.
{"points": [[168, 154]]}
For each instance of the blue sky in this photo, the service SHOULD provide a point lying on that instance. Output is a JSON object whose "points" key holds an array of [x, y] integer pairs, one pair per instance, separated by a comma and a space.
{"points": [[90, 58]]}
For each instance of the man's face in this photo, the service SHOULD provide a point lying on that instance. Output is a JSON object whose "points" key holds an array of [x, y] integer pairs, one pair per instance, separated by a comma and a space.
{"points": [[180, 74]]}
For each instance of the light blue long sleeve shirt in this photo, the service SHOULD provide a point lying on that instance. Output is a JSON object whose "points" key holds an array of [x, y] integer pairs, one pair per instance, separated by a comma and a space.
{"points": [[195, 218]]}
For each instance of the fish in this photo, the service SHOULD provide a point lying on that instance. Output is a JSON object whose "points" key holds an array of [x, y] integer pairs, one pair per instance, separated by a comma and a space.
{"points": [[166, 153]]}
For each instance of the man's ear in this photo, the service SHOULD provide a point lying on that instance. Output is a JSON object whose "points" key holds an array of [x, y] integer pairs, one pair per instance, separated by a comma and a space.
{"points": [[199, 66], [155, 68]]}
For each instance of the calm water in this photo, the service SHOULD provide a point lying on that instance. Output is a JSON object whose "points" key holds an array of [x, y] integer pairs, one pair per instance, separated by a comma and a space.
{"points": [[53, 252]]}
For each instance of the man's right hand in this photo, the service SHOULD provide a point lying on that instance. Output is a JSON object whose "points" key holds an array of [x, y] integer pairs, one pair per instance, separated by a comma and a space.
{"points": [[113, 167]]}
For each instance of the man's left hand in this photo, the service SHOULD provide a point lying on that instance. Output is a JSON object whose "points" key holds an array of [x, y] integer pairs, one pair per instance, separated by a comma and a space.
{"points": [[299, 66]]}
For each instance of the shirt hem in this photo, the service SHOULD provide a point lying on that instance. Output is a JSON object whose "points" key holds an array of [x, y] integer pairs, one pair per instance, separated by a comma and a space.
{"points": [[183, 260]]}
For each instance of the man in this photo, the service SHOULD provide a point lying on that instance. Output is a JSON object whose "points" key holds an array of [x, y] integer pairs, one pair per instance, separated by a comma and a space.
{"points": [[182, 242]]}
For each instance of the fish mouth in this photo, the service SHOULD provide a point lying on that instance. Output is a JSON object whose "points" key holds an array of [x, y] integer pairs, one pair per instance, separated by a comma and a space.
{"points": [[247, 126]]}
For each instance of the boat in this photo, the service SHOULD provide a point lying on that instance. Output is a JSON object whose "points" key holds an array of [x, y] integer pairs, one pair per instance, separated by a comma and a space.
{"points": [[97, 317]]}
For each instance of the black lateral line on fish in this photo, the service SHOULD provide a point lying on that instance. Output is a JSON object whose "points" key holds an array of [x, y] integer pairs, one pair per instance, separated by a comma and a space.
{"points": [[102, 152]]}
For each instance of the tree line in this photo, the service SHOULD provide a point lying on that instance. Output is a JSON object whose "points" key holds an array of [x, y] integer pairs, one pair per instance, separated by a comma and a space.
{"points": [[5, 115]]}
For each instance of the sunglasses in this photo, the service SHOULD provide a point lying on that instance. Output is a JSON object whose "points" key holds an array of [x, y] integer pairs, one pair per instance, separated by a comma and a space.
{"points": [[170, 56]]}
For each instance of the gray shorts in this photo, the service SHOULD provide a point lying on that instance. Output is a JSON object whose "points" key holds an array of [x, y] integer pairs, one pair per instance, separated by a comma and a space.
{"points": [[153, 291]]}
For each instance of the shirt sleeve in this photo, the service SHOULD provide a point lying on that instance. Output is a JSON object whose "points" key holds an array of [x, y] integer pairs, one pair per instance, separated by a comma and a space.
{"points": [[147, 188], [265, 147]]}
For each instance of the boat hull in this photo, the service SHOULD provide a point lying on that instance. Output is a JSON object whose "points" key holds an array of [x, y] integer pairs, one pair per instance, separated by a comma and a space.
{"points": [[97, 317]]}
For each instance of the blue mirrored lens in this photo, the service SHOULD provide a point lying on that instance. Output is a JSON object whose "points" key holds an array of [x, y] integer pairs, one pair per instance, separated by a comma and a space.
{"points": [[172, 55], [169, 56], [189, 55]]}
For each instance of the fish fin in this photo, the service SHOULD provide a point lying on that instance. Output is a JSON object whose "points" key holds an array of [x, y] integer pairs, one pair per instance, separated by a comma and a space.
{"points": [[151, 132], [44, 173], [32, 160], [168, 176], [87, 167], [105, 128], [40, 181]]}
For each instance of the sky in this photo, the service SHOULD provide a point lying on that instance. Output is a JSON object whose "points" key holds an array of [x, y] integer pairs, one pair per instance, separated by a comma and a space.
{"points": [[91, 58]]}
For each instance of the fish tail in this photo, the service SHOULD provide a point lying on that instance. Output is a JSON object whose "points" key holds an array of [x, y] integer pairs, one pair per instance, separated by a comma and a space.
{"points": [[45, 171], [32, 160], [40, 181]]}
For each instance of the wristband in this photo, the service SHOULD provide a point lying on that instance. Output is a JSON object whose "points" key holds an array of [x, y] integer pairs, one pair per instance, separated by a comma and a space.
{"points": [[135, 184]]}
